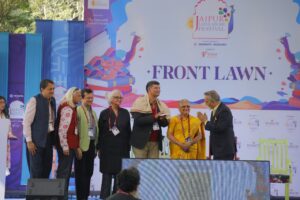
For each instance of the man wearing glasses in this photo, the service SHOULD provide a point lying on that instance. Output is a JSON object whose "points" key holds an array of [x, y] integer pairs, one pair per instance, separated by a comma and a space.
{"points": [[149, 114], [220, 125]]}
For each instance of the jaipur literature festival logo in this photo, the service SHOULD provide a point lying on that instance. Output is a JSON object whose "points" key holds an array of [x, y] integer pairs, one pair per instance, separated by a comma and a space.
{"points": [[211, 25]]}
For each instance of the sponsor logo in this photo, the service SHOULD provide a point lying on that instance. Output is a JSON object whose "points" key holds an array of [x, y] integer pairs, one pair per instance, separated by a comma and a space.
{"points": [[237, 121], [291, 123], [293, 145], [272, 123], [16, 95], [208, 54], [16, 109], [98, 4], [253, 144], [253, 122]]}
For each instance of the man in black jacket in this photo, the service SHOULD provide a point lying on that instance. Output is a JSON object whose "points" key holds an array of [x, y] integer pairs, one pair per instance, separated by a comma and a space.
{"points": [[149, 114], [220, 125]]}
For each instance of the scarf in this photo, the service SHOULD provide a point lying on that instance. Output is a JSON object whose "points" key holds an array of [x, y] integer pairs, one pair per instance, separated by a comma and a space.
{"points": [[142, 105]]}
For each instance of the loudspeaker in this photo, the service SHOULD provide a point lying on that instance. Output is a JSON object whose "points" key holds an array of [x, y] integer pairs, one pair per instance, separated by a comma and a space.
{"points": [[50, 189]]}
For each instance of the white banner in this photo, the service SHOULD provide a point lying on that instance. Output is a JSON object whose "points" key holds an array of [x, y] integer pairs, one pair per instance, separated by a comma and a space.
{"points": [[246, 50]]}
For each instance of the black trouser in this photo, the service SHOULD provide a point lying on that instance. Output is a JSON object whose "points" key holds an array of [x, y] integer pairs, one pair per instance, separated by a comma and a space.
{"points": [[224, 157], [40, 163], [83, 172], [64, 168], [106, 185]]}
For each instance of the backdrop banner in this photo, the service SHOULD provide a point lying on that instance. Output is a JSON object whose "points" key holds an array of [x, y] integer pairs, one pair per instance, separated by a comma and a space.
{"points": [[242, 49]]}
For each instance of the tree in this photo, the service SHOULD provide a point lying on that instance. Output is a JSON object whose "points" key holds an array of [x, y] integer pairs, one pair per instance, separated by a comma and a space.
{"points": [[18, 16], [57, 9], [15, 16]]}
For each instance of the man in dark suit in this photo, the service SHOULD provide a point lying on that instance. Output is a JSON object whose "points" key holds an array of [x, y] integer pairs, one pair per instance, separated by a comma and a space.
{"points": [[220, 125]]}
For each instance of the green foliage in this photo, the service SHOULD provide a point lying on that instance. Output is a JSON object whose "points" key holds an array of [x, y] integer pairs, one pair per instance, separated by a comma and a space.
{"points": [[15, 16], [57, 9], [18, 16]]}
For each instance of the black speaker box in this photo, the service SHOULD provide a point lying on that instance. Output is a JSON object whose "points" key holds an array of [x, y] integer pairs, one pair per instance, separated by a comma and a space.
{"points": [[42, 189]]}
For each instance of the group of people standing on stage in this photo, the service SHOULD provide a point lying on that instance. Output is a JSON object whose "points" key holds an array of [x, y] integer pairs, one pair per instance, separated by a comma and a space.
{"points": [[78, 135]]}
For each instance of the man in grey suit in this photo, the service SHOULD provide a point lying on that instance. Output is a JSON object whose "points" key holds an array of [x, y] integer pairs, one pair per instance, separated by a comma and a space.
{"points": [[220, 125]]}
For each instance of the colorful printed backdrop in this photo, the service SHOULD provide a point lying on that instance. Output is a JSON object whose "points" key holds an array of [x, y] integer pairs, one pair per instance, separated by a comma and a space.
{"points": [[247, 51]]}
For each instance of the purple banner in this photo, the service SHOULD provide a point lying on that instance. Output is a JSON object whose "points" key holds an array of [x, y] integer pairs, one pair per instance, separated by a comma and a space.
{"points": [[17, 52]]}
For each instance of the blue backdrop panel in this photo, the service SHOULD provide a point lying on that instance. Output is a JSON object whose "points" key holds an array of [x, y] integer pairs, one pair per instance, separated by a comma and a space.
{"points": [[4, 48]]}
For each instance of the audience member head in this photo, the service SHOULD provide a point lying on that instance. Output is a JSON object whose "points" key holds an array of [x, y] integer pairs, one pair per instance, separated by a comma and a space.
{"points": [[128, 180]]}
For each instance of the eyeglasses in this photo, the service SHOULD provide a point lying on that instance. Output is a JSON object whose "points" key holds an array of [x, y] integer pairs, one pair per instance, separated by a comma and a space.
{"points": [[185, 106], [118, 97]]}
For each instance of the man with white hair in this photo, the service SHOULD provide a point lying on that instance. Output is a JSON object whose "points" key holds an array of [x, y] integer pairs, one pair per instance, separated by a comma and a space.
{"points": [[220, 125]]}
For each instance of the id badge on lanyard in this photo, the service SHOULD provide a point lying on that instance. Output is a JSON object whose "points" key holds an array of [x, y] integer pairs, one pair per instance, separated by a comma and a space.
{"points": [[155, 126], [115, 130], [91, 132], [188, 139]]}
